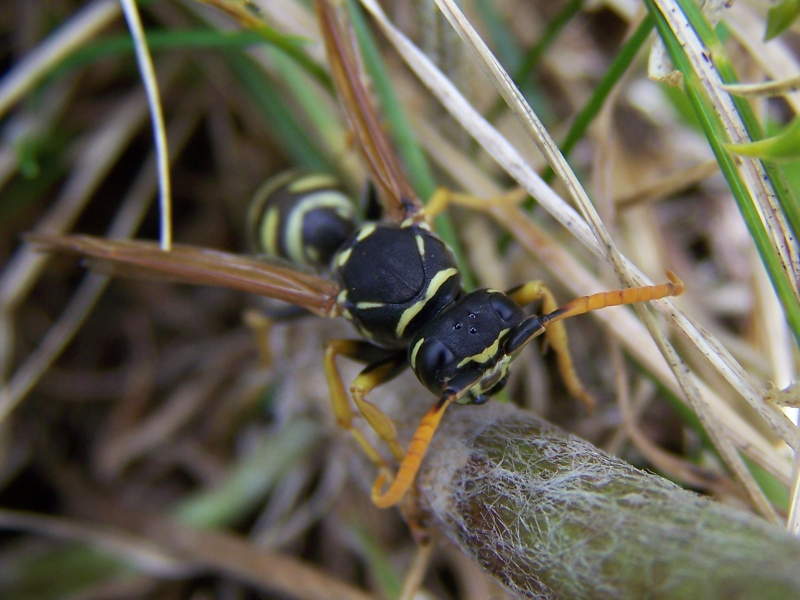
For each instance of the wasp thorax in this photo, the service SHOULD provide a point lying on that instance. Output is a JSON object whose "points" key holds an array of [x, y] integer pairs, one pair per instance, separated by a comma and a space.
{"points": [[394, 280], [463, 348]]}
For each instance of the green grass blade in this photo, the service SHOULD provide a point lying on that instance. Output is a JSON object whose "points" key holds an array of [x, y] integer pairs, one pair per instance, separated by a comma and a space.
{"points": [[601, 93], [523, 72], [778, 271], [278, 115], [780, 17], [290, 45]]}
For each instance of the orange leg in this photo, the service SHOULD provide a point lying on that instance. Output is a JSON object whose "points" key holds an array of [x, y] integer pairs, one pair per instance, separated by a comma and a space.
{"points": [[412, 459]]}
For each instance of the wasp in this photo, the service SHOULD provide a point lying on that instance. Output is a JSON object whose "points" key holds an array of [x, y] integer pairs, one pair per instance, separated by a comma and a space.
{"points": [[395, 280]]}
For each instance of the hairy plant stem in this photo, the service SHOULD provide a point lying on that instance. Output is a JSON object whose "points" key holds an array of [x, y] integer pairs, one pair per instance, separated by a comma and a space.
{"points": [[551, 516]]}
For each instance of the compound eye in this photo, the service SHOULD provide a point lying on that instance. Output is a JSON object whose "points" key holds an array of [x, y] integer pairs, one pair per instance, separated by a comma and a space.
{"points": [[434, 356], [504, 307]]}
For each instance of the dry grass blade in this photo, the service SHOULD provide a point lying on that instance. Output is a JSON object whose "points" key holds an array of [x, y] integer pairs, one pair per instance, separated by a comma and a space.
{"points": [[102, 148], [157, 117], [666, 462], [82, 26], [268, 570], [667, 186], [177, 551], [766, 88], [143, 554]]}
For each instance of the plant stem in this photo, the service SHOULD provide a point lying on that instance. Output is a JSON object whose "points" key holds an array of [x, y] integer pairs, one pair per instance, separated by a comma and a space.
{"points": [[551, 516]]}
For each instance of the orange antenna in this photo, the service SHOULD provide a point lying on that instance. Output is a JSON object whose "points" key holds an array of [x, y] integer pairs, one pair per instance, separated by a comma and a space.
{"points": [[413, 458], [584, 304]]}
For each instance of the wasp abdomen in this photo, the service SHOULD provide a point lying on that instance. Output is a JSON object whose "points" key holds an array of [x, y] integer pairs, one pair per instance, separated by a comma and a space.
{"points": [[394, 279], [304, 219]]}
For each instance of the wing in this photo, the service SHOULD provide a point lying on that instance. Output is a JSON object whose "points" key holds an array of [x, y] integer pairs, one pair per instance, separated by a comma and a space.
{"points": [[400, 201], [201, 266]]}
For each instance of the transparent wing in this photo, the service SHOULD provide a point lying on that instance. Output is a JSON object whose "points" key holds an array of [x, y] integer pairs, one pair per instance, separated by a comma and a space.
{"points": [[399, 200], [201, 266]]}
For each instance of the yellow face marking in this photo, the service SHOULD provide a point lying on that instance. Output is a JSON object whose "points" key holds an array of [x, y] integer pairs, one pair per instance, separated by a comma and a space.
{"points": [[420, 246], [311, 182], [365, 231], [490, 378], [436, 282], [487, 353], [269, 231], [414, 351], [343, 257], [407, 223], [341, 298], [294, 225], [363, 305]]}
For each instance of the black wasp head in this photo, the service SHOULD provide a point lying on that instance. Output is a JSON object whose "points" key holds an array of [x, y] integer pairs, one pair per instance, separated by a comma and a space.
{"points": [[467, 348]]}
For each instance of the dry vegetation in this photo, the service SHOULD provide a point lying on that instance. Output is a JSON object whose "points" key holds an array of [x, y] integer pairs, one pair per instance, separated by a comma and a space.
{"points": [[148, 448]]}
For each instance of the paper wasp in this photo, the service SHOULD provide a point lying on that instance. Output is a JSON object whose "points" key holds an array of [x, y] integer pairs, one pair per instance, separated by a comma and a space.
{"points": [[396, 281]]}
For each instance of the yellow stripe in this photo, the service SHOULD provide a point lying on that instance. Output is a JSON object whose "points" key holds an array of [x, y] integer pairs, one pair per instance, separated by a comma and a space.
{"points": [[343, 257], [269, 231], [363, 305], [312, 182], [257, 213], [487, 353], [414, 351], [420, 246], [433, 287], [294, 224], [365, 231]]}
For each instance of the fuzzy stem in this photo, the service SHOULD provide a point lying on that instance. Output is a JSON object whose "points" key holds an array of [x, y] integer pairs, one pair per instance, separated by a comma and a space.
{"points": [[551, 516]]}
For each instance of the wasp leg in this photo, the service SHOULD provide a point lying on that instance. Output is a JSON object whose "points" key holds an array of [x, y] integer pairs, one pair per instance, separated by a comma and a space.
{"points": [[261, 321], [443, 197], [261, 325], [372, 376], [383, 366], [556, 336]]}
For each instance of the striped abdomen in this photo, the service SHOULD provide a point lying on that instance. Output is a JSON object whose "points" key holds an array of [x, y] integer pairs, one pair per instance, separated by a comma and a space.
{"points": [[303, 219]]}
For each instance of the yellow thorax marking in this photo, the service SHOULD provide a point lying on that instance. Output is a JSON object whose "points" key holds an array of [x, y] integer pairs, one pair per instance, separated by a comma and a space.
{"points": [[365, 231], [363, 305], [436, 282], [420, 246], [487, 353], [343, 257]]}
